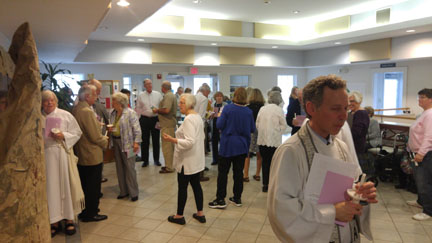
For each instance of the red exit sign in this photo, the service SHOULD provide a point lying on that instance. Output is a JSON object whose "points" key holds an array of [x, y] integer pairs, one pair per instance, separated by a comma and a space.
{"points": [[193, 70]]}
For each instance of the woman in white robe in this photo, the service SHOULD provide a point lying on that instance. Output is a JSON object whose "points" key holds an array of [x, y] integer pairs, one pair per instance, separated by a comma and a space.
{"points": [[57, 170]]}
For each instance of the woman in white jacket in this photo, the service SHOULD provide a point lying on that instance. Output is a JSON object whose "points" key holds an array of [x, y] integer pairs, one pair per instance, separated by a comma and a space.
{"points": [[271, 125], [189, 158]]}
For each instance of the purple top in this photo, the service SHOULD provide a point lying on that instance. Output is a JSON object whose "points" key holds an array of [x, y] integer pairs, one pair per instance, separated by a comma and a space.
{"points": [[359, 130]]}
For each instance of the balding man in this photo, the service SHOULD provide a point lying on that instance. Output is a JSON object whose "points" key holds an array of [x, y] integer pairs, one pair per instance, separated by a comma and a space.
{"points": [[89, 150], [100, 111], [167, 119], [146, 101]]}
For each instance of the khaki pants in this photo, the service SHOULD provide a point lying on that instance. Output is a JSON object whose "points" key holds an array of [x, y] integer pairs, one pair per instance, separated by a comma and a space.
{"points": [[168, 147]]}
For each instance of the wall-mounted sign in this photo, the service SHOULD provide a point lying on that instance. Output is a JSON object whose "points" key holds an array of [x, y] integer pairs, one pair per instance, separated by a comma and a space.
{"points": [[159, 76], [193, 70], [388, 65]]}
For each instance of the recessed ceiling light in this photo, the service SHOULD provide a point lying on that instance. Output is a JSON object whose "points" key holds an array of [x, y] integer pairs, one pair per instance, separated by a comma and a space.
{"points": [[214, 44], [197, 1], [274, 47], [296, 11], [267, 1], [410, 31], [123, 3], [140, 39], [337, 43]]}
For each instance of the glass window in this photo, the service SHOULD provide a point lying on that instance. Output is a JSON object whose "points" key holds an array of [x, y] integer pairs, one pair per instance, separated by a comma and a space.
{"points": [[199, 81], [71, 80], [388, 91], [286, 82], [127, 84], [238, 81]]}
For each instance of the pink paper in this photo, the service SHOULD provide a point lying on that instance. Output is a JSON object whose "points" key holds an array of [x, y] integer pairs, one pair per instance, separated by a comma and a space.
{"points": [[334, 189], [52, 122], [301, 119]]}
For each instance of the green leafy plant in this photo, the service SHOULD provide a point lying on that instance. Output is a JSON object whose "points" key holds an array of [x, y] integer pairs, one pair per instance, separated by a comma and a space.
{"points": [[49, 82]]}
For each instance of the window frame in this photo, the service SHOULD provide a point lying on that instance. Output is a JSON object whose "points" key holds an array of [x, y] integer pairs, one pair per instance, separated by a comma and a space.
{"points": [[404, 70]]}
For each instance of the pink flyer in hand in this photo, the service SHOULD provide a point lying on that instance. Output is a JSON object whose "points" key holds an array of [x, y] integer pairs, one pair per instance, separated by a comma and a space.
{"points": [[52, 122]]}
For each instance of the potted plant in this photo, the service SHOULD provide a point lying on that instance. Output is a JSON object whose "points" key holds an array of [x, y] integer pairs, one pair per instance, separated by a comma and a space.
{"points": [[49, 82]]}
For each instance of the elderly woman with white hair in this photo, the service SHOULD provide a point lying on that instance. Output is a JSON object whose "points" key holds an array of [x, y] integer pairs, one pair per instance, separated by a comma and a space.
{"points": [[125, 132], [360, 122], [271, 125], [61, 132], [188, 158]]}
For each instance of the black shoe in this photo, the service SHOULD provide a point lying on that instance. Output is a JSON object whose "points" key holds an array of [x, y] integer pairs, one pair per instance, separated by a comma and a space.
{"points": [[70, 231], [201, 219], [144, 164], [217, 204], [104, 180], [204, 178], [206, 169], [134, 199], [138, 159], [55, 229], [101, 195], [157, 163], [236, 202], [181, 220], [214, 163], [264, 188], [122, 196], [97, 217]]}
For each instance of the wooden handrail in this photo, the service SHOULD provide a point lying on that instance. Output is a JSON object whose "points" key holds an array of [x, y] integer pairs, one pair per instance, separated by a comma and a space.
{"points": [[406, 117], [394, 109]]}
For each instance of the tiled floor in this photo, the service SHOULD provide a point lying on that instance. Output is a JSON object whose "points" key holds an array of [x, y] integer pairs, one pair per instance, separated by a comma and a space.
{"points": [[146, 219]]}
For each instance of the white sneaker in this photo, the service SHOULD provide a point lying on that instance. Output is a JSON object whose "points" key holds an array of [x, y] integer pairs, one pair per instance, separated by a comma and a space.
{"points": [[421, 217], [414, 203]]}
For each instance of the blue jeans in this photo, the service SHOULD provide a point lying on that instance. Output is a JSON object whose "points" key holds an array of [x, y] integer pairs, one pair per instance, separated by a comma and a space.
{"points": [[423, 179]]}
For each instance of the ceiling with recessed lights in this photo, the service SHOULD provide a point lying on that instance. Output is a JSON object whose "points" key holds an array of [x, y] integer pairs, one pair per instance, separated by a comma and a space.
{"points": [[61, 26]]}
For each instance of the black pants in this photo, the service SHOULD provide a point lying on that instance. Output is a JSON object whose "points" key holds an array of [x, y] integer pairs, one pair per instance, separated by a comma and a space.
{"points": [[91, 177], [183, 181], [215, 144], [148, 128], [267, 155], [223, 170]]}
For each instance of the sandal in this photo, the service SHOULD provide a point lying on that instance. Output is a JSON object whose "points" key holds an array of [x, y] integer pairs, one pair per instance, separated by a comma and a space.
{"points": [[70, 231], [246, 179], [257, 178], [55, 229]]}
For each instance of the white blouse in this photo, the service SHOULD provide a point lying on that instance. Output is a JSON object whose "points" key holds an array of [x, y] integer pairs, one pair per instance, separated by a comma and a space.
{"points": [[189, 150], [271, 124]]}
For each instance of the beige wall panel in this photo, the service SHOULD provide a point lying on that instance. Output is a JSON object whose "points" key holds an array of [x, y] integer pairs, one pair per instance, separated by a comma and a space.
{"points": [[383, 16], [223, 27], [176, 22], [340, 23], [262, 30], [167, 53], [237, 56], [370, 50]]}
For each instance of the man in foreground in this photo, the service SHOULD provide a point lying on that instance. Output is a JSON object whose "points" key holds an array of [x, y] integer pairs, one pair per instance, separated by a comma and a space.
{"points": [[293, 217]]}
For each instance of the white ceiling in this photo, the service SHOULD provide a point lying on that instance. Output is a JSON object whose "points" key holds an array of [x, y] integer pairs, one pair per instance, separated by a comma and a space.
{"points": [[60, 27]]}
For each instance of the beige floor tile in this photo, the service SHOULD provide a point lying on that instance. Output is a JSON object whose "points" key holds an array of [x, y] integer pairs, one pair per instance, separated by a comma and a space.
{"points": [[377, 224], [183, 239], [91, 227], [403, 218], [209, 241], [158, 237], [148, 224], [159, 214], [168, 227], [267, 239], [255, 210], [248, 227], [410, 228], [192, 231], [381, 215], [126, 220], [389, 235], [93, 238], [239, 237], [111, 230], [253, 218], [134, 234], [122, 241], [267, 230], [59, 238], [365, 240], [227, 224], [229, 214], [217, 234], [415, 238]]}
